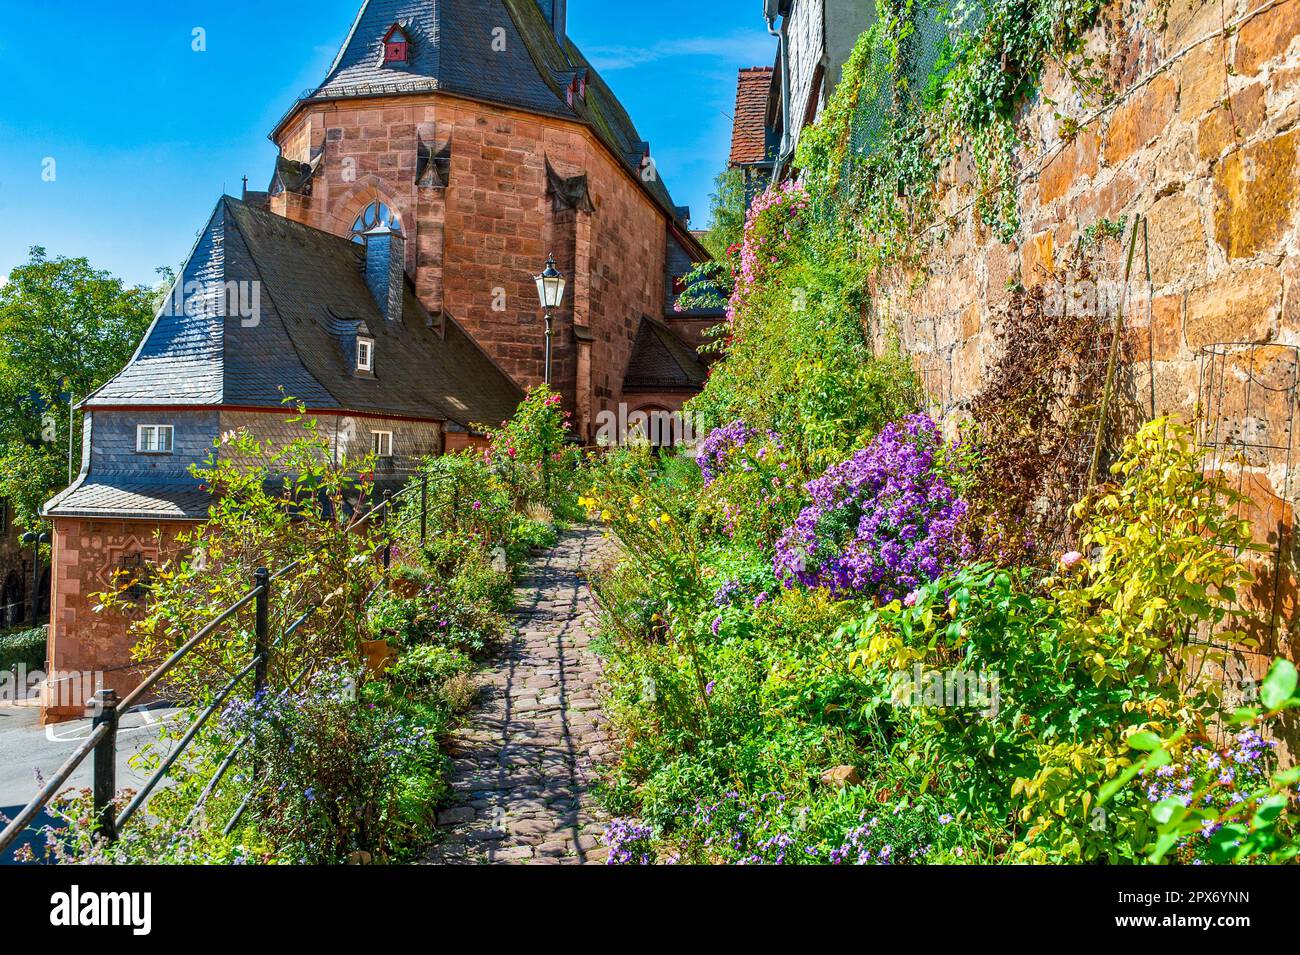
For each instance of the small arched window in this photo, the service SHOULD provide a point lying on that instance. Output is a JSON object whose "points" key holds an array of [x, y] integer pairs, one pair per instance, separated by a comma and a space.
{"points": [[372, 215]]}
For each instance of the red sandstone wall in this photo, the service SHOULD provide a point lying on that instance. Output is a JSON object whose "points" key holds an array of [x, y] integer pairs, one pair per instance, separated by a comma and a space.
{"points": [[86, 555], [475, 247], [1200, 139]]}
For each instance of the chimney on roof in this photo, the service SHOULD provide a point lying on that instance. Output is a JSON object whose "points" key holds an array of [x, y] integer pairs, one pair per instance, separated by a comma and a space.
{"points": [[557, 15], [386, 269]]}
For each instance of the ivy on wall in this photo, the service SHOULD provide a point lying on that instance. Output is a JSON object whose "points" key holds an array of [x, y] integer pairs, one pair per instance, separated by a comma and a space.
{"points": [[925, 82]]}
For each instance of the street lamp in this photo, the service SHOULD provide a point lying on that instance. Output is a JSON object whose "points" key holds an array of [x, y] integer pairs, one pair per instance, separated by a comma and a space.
{"points": [[35, 540], [550, 292]]}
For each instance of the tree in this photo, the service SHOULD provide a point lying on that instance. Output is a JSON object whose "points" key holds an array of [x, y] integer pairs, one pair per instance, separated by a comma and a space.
{"points": [[727, 214], [65, 329], [708, 285]]}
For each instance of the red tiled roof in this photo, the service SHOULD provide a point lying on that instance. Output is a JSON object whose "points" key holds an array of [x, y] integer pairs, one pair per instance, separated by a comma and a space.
{"points": [[748, 136]]}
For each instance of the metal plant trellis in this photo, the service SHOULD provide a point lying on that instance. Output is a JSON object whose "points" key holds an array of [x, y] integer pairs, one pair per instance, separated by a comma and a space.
{"points": [[1246, 400]]}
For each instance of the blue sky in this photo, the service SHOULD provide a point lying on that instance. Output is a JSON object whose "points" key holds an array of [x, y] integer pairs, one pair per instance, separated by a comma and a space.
{"points": [[144, 132]]}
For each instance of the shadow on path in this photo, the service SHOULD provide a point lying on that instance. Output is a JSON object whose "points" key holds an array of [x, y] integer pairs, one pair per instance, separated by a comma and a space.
{"points": [[525, 759]]}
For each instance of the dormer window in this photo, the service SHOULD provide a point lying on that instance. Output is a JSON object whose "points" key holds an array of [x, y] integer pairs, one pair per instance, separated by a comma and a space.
{"points": [[577, 89], [365, 354], [397, 47], [153, 439]]}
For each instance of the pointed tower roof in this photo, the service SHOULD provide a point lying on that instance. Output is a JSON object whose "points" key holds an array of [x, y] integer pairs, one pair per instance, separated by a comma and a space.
{"points": [[496, 51]]}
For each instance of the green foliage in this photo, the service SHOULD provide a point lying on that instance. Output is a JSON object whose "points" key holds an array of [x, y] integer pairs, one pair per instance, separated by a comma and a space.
{"points": [[997, 700], [927, 81], [1240, 812], [726, 214], [451, 597], [65, 329], [1165, 541], [24, 648], [274, 505], [796, 359], [528, 534], [350, 776]]}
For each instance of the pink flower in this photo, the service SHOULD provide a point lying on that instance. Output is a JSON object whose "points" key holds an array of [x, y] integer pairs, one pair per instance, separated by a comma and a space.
{"points": [[910, 599], [1069, 559]]}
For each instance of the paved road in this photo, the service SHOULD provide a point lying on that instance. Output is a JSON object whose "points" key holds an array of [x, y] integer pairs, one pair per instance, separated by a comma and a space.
{"points": [[526, 758], [26, 746]]}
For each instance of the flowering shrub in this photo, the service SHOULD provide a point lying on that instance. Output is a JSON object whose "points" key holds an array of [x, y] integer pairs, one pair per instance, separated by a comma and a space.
{"points": [[452, 602], [723, 444], [848, 828], [770, 227], [528, 455], [881, 523], [629, 843], [750, 482], [347, 775]]}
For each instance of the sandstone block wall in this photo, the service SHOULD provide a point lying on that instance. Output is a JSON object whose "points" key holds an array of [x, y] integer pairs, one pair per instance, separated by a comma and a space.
{"points": [[474, 247], [90, 649], [1197, 135]]}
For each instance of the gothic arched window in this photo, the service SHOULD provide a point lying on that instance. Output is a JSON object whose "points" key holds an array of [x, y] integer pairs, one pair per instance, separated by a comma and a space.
{"points": [[371, 216]]}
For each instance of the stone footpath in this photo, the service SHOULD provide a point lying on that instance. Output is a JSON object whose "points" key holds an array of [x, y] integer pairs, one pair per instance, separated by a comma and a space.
{"points": [[526, 757]]}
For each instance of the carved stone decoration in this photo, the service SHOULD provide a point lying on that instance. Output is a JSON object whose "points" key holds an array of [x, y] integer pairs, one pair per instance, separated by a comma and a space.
{"points": [[568, 192], [432, 169], [296, 177], [129, 567]]}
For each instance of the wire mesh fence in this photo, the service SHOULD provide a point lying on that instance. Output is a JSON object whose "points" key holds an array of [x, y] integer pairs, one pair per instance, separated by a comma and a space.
{"points": [[1246, 426]]}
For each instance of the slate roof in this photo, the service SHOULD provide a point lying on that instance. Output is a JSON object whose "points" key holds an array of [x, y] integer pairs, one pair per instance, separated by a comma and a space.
{"points": [[452, 50], [310, 290], [749, 134], [661, 361], [111, 498], [313, 301]]}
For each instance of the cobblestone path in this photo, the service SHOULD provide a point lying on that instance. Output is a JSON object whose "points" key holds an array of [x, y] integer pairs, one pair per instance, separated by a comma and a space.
{"points": [[526, 757]]}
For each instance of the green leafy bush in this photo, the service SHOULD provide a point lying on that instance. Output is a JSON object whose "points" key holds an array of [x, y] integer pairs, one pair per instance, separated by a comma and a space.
{"points": [[25, 648]]}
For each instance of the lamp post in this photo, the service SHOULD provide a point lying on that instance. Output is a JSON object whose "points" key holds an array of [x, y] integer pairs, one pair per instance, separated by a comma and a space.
{"points": [[35, 540], [550, 292]]}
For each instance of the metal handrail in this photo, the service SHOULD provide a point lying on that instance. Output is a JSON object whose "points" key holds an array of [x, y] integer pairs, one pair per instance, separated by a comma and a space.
{"points": [[183, 742], [51, 787], [102, 740], [184, 649]]}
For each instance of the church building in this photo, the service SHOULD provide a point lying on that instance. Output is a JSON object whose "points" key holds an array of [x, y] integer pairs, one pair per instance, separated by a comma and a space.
{"points": [[386, 280]]}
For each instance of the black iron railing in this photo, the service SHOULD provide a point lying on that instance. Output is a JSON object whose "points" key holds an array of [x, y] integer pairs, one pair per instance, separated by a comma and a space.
{"points": [[101, 744]]}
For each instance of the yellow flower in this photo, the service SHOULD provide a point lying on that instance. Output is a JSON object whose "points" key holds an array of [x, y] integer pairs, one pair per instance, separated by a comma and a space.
{"points": [[636, 500], [605, 515], [665, 519]]}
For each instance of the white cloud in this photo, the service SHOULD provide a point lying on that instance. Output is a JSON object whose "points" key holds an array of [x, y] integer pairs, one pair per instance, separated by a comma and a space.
{"points": [[743, 48]]}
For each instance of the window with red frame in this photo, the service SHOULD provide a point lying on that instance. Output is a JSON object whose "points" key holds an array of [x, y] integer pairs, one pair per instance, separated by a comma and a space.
{"points": [[396, 46]]}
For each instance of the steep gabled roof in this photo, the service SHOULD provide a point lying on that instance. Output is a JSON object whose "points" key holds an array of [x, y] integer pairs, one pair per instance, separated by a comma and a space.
{"points": [[498, 51], [749, 137], [661, 361], [307, 284]]}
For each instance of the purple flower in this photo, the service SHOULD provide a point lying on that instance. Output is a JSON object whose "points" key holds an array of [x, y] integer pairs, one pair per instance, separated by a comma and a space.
{"points": [[884, 522]]}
